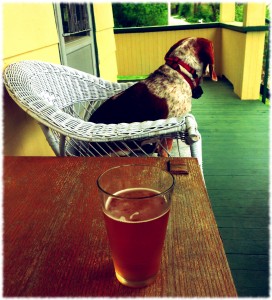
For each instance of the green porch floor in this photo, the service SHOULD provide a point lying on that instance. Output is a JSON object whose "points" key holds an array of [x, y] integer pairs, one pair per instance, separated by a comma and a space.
{"points": [[235, 138]]}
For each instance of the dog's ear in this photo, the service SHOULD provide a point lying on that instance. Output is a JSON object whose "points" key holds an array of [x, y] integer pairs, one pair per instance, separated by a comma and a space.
{"points": [[212, 72], [205, 53]]}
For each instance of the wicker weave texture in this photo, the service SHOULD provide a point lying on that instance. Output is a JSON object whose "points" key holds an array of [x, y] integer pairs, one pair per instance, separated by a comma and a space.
{"points": [[62, 99]]}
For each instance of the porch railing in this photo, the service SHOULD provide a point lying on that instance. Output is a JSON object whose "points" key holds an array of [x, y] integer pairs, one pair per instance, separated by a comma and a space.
{"points": [[141, 50]]}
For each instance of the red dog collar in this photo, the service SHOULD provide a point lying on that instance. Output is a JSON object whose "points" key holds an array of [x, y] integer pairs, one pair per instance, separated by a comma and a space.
{"points": [[174, 62]]}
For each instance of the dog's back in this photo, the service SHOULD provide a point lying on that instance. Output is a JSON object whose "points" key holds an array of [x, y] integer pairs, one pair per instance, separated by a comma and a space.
{"points": [[136, 104], [167, 92]]}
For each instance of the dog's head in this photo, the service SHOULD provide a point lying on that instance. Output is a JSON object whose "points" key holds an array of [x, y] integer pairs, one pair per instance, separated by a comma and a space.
{"points": [[196, 51]]}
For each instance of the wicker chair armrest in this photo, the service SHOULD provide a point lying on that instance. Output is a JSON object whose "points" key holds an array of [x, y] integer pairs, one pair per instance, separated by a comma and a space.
{"points": [[51, 93], [59, 85], [76, 128], [65, 124]]}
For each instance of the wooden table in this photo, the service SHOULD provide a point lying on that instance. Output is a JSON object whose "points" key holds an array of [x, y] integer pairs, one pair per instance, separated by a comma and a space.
{"points": [[55, 243]]}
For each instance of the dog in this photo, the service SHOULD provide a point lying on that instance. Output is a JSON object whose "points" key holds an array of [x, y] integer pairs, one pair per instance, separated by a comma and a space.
{"points": [[165, 93]]}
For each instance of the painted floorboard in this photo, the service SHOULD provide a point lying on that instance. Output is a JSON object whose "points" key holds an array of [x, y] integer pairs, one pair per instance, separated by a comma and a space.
{"points": [[235, 141]]}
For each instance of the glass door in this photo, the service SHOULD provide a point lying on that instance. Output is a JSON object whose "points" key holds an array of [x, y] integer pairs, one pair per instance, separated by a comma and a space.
{"points": [[76, 36]]}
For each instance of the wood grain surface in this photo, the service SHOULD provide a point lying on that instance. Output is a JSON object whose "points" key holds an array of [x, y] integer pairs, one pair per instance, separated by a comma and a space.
{"points": [[55, 242]]}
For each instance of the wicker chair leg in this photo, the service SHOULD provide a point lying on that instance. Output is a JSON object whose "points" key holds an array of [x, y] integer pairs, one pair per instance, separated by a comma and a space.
{"points": [[196, 151]]}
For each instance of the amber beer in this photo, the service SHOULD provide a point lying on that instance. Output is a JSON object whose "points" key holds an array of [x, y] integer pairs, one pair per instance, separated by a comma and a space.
{"points": [[136, 215], [136, 235]]}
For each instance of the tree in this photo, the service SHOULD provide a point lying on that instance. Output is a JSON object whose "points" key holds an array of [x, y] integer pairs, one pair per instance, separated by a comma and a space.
{"points": [[239, 12], [139, 14], [195, 12]]}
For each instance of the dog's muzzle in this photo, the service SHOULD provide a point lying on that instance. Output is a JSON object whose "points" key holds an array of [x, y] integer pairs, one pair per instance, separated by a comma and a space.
{"points": [[197, 92]]}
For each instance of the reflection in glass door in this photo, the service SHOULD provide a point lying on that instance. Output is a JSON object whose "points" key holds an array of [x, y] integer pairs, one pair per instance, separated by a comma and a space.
{"points": [[76, 36]]}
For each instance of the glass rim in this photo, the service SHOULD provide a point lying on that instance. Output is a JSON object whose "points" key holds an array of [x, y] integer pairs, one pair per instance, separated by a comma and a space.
{"points": [[135, 165]]}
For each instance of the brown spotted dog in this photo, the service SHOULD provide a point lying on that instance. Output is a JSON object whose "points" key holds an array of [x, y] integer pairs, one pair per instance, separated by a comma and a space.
{"points": [[167, 92]]}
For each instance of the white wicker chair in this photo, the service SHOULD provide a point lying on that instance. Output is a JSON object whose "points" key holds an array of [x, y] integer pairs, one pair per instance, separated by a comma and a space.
{"points": [[62, 99]]}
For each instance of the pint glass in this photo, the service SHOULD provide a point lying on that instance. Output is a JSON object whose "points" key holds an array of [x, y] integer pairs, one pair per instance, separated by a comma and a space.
{"points": [[136, 203]]}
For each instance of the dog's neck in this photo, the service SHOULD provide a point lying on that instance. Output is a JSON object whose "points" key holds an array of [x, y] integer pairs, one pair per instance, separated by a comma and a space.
{"points": [[188, 73], [184, 69]]}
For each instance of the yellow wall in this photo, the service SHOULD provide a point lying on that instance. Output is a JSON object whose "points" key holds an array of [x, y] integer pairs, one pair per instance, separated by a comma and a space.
{"points": [[254, 49], [142, 53], [238, 56], [22, 134], [233, 48], [29, 32], [254, 13], [227, 12], [242, 53], [105, 41], [244, 67]]}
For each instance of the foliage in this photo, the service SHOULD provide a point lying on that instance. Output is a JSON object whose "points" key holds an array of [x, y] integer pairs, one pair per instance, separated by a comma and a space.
{"points": [[267, 13], [208, 12], [139, 14], [155, 14], [197, 12], [239, 12]]}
